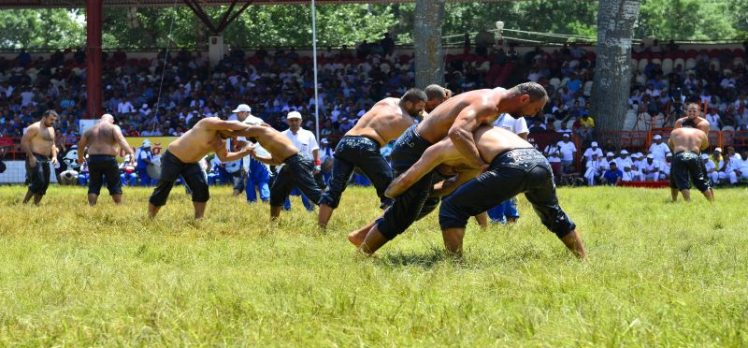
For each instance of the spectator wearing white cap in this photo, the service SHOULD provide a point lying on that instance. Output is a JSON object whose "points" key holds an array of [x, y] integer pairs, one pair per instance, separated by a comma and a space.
{"points": [[665, 166], [738, 168], [306, 142], [567, 149], [257, 173], [719, 175], [595, 167], [144, 158], [659, 149], [709, 167], [593, 149], [651, 169], [624, 160]]}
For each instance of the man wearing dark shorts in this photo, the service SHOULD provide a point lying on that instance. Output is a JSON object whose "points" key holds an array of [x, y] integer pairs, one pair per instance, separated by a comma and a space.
{"points": [[103, 142], [386, 121], [297, 170], [456, 118], [39, 144], [686, 143], [182, 158], [515, 167]]}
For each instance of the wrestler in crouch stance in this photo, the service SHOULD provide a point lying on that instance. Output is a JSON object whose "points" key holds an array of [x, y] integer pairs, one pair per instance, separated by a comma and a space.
{"points": [[384, 122], [687, 141], [182, 157], [296, 171], [458, 117], [39, 144], [102, 142], [515, 167]]}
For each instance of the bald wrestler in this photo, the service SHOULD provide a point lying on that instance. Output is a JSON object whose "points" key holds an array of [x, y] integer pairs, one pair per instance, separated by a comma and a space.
{"points": [[182, 157], [38, 142], [386, 121], [515, 167], [435, 95], [457, 118], [693, 119], [102, 142], [687, 142]]}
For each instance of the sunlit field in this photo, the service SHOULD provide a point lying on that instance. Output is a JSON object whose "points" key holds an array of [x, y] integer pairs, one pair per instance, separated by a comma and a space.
{"points": [[658, 274]]}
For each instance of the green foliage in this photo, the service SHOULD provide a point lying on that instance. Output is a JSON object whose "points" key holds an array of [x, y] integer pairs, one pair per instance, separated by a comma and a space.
{"points": [[691, 19], [40, 28], [659, 275], [290, 25]]}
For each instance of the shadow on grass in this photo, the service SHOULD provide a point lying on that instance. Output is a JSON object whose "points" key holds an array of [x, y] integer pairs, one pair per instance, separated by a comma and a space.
{"points": [[423, 260]]}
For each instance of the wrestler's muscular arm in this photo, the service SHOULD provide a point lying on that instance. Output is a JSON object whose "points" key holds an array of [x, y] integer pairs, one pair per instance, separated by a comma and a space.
{"points": [[432, 157], [219, 147], [461, 132], [215, 123], [82, 143], [31, 132], [120, 139], [449, 185]]}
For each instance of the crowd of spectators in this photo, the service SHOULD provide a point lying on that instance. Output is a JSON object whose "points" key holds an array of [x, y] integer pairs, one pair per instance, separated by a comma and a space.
{"points": [[166, 94]]}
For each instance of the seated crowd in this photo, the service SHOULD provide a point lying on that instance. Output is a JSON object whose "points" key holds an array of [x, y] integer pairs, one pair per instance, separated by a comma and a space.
{"points": [[165, 95]]}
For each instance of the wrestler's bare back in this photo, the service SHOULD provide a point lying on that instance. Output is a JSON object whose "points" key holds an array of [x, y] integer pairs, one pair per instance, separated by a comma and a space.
{"points": [[384, 122], [484, 102]]}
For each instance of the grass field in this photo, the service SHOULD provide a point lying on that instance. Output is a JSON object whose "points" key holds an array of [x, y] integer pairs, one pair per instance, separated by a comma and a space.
{"points": [[659, 274]]}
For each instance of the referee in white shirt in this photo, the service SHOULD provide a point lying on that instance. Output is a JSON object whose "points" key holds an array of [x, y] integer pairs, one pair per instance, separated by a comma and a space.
{"points": [[306, 142]]}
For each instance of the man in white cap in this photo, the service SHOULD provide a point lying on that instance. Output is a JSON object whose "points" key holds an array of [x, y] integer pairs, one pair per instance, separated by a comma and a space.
{"points": [[568, 150], [594, 149], [720, 167], [624, 160], [594, 166], [144, 158], [659, 149], [651, 169], [306, 142]]}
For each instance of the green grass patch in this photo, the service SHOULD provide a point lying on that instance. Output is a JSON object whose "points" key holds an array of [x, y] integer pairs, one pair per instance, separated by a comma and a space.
{"points": [[659, 274]]}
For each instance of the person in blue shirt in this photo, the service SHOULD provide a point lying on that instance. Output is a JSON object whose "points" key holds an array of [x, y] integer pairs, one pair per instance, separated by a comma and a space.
{"points": [[613, 175], [144, 157]]}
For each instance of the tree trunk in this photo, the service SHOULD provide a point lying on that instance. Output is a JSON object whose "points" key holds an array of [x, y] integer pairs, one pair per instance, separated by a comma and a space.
{"points": [[615, 28], [429, 19]]}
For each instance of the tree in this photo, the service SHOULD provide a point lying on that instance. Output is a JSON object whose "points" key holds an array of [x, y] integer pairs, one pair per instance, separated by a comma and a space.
{"points": [[612, 81], [48, 28], [429, 20]]}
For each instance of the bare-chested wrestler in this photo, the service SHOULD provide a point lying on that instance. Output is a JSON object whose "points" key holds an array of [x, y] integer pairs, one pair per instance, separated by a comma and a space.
{"points": [[515, 167], [296, 171], [386, 121], [458, 117], [687, 142], [103, 141], [435, 95], [693, 119], [183, 154], [39, 144]]}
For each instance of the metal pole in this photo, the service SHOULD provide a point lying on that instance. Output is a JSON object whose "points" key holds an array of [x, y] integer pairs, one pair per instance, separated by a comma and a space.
{"points": [[314, 58]]}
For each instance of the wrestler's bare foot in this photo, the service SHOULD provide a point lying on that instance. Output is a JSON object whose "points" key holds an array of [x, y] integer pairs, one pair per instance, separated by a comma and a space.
{"points": [[357, 237]]}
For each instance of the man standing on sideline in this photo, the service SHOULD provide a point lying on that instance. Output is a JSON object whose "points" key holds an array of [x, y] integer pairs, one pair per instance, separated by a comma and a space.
{"points": [[258, 174], [103, 142], [658, 149], [39, 144], [687, 143], [458, 117], [568, 150], [144, 157], [507, 212], [386, 121], [182, 158], [306, 142], [515, 167], [326, 157]]}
